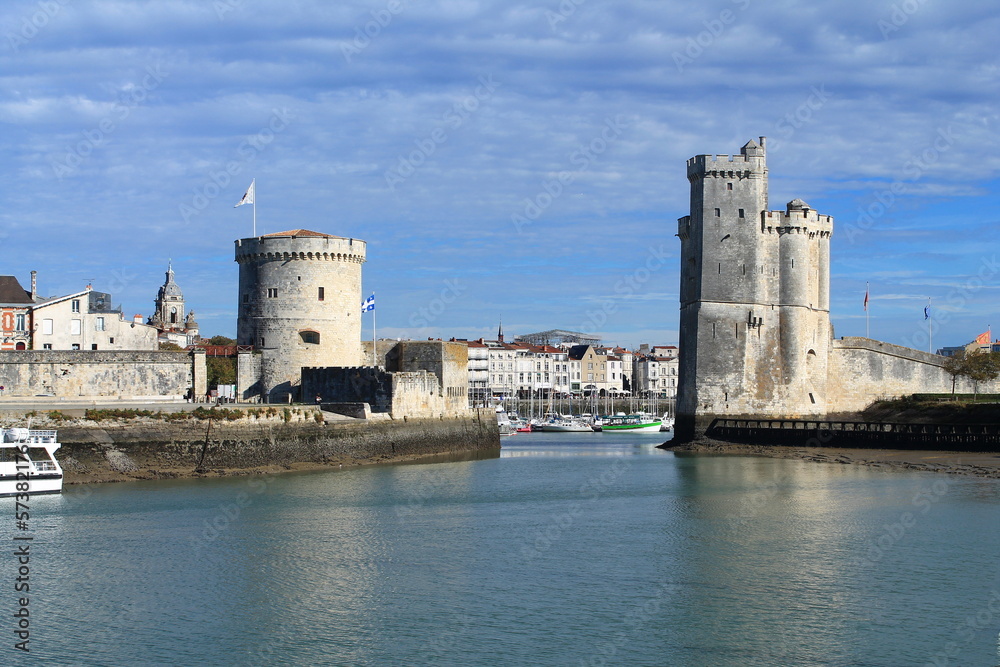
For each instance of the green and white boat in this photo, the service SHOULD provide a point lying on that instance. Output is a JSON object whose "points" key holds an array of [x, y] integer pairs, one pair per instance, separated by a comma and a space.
{"points": [[632, 423]]}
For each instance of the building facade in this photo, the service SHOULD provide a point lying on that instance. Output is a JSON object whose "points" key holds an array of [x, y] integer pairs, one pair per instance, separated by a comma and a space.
{"points": [[15, 313], [87, 320]]}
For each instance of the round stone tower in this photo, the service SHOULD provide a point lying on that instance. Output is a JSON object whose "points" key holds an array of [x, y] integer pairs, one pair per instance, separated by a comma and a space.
{"points": [[299, 305]]}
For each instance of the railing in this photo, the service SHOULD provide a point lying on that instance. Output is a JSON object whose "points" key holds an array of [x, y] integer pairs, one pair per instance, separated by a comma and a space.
{"points": [[892, 435]]}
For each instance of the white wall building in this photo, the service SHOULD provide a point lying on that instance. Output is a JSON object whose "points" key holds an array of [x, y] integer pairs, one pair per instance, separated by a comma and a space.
{"points": [[87, 321]]}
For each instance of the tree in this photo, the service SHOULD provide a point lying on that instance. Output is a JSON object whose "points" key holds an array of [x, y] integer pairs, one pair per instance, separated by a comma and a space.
{"points": [[955, 366], [221, 370], [173, 347], [977, 366], [981, 367], [221, 340]]}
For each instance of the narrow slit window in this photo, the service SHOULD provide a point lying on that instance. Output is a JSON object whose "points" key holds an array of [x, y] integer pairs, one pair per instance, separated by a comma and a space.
{"points": [[742, 215], [321, 294], [718, 212]]}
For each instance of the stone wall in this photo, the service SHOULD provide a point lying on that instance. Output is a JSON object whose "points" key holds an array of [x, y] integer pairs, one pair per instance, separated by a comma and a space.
{"points": [[862, 370], [85, 373], [416, 394], [158, 449]]}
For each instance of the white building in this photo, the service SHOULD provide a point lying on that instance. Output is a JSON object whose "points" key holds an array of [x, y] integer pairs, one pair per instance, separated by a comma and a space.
{"points": [[87, 321]]}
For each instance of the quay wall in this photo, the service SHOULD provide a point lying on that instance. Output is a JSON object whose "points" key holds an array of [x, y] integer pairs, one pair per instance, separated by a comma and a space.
{"points": [[150, 450]]}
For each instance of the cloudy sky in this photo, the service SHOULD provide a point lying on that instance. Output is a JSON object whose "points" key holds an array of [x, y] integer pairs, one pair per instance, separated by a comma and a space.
{"points": [[437, 130]]}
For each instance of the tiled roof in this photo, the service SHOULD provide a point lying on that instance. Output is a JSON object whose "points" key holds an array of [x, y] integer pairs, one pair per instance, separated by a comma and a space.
{"points": [[12, 292], [303, 232]]}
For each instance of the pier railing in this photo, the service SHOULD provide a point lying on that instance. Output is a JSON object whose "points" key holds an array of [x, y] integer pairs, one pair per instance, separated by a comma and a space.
{"points": [[815, 433]]}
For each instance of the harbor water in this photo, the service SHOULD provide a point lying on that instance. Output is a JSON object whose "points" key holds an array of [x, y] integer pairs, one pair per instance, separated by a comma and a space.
{"points": [[568, 549]]}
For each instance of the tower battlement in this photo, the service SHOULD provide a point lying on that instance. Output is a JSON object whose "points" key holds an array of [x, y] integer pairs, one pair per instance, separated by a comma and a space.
{"points": [[797, 218], [300, 245]]}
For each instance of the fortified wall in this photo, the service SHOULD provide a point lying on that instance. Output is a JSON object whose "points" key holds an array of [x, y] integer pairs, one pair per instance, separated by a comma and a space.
{"points": [[135, 375], [755, 333], [421, 379]]}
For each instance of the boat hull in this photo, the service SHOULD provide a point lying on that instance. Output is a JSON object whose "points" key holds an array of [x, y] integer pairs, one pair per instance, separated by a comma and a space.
{"points": [[632, 428], [37, 484]]}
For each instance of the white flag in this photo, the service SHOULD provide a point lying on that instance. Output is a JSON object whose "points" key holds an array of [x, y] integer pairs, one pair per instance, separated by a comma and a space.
{"points": [[248, 196]]}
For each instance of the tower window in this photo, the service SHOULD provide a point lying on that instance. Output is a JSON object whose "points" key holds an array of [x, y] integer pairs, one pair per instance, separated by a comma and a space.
{"points": [[246, 298], [718, 212], [729, 186], [311, 337], [741, 214], [272, 292], [320, 293]]}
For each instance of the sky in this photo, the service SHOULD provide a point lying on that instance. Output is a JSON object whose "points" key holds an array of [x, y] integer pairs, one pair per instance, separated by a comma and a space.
{"points": [[502, 160]]}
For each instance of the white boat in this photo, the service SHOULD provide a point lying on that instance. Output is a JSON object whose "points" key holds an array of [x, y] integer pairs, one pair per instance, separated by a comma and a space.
{"points": [[630, 423], [566, 426], [504, 423], [28, 455], [667, 423]]}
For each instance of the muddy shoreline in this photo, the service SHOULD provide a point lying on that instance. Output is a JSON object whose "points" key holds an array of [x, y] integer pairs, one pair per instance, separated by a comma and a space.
{"points": [[979, 464]]}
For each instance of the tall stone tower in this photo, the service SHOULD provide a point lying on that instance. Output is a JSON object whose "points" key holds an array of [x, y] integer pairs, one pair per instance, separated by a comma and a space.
{"points": [[299, 305], [755, 297]]}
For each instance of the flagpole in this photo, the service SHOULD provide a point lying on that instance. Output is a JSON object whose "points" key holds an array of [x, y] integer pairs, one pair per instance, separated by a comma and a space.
{"points": [[867, 312], [253, 184], [930, 328], [374, 339]]}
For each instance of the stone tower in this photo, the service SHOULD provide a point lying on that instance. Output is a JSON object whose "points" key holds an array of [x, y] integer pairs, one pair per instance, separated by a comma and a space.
{"points": [[299, 305], [169, 304], [755, 297]]}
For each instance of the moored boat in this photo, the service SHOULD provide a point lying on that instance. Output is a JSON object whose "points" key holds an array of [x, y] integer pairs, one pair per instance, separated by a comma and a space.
{"points": [[28, 455], [631, 423], [566, 426]]}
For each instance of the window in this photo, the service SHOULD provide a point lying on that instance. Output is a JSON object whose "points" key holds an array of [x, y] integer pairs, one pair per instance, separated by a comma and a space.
{"points": [[272, 292], [99, 324], [729, 186], [75, 346], [246, 298], [262, 342], [742, 214], [311, 337], [93, 346], [718, 212], [321, 294], [47, 327], [47, 346], [111, 340], [590, 366], [75, 306], [75, 328], [20, 322]]}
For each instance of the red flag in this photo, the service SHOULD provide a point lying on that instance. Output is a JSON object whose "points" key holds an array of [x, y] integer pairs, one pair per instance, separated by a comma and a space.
{"points": [[983, 338]]}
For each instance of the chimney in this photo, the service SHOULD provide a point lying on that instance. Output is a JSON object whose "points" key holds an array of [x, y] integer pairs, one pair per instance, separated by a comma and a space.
{"points": [[137, 318], [34, 285]]}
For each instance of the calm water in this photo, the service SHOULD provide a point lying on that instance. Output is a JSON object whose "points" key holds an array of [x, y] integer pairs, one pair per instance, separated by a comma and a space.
{"points": [[568, 550]]}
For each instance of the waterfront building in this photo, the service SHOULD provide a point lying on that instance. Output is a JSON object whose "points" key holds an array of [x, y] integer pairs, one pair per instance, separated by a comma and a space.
{"points": [[559, 337], [15, 313], [656, 376], [88, 320]]}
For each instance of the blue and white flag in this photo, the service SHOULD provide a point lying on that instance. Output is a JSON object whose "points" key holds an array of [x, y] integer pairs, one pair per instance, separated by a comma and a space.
{"points": [[368, 304], [927, 312]]}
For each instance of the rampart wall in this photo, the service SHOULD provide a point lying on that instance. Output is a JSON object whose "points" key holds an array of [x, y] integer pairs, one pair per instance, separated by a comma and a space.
{"points": [[84, 373], [862, 369]]}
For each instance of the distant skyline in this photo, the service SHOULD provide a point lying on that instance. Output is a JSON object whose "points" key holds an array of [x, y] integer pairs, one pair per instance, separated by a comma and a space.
{"points": [[501, 159]]}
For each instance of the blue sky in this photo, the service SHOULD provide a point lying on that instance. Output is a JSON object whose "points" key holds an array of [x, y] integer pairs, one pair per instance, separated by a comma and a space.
{"points": [[437, 131]]}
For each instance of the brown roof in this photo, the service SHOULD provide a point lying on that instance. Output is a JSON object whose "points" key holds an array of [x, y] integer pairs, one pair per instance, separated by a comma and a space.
{"points": [[303, 232], [12, 292]]}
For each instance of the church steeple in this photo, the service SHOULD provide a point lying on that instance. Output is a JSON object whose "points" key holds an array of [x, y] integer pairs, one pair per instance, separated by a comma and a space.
{"points": [[500, 332]]}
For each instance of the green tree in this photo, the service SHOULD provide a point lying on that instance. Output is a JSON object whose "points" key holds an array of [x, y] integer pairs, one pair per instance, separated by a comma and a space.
{"points": [[221, 340], [173, 347], [981, 367], [221, 370], [955, 367]]}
